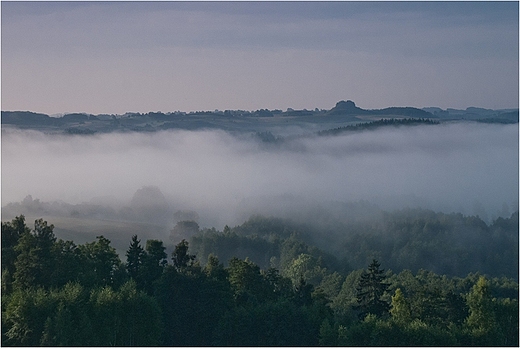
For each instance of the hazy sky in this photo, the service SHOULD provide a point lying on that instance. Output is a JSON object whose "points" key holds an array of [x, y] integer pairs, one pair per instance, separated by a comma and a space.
{"points": [[115, 57]]}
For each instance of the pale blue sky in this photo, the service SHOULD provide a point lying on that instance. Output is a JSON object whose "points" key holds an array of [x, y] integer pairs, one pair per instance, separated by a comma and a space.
{"points": [[115, 57]]}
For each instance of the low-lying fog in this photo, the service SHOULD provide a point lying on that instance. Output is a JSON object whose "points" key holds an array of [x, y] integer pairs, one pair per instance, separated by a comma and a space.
{"points": [[464, 167]]}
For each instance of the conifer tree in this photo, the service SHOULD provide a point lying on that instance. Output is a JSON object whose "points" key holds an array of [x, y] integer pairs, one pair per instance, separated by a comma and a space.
{"points": [[370, 288], [154, 260], [134, 258]]}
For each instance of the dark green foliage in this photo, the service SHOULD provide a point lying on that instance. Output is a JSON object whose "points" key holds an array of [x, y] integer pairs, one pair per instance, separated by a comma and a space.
{"points": [[69, 261], [72, 316], [229, 244], [154, 259], [134, 259], [268, 242], [450, 244], [214, 269], [101, 264], [24, 317], [279, 323], [181, 258], [506, 321], [69, 324], [11, 233], [377, 124], [191, 304], [278, 286], [192, 299], [126, 317], [377, 332], [481, 321], [61, 294], [36, 261], [370, 290], [303, 292], [246, 281], [431, 298]]}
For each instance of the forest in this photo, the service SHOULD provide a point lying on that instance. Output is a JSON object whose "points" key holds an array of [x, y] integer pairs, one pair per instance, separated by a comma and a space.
{"points": [[412, 278], [259, 173]]}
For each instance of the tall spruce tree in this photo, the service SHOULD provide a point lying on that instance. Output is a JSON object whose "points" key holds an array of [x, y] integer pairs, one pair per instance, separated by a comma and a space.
{"points": [[134, 258], [370, 289]]}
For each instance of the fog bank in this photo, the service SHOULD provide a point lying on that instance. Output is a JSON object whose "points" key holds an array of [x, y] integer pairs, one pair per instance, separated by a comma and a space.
{"points": [[464, 167]]}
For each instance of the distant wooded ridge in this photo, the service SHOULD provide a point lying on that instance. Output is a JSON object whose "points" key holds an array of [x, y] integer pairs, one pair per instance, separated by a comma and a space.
{"points": [[342, 108], [342, 112]]}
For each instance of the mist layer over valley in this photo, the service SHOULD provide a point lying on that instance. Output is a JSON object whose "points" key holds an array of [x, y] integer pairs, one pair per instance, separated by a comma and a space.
{"points": [[192, 174], [218, 178]]}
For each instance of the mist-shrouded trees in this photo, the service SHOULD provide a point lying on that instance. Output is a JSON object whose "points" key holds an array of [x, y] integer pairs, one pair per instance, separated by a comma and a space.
{"points": [[55, 292], [149, 204], [451, 244], [181, 258], [184, 230]]}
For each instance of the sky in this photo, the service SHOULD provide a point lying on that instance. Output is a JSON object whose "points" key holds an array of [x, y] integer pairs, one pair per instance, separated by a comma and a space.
{"points": [[117, 57]]}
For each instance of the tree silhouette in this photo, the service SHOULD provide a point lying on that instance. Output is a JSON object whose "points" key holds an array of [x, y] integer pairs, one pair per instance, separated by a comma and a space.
{"points": [[134, 258], [181, 258]]}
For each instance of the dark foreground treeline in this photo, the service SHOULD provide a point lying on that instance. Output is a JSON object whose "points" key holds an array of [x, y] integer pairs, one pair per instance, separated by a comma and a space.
{"points": [[57, 293]]}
